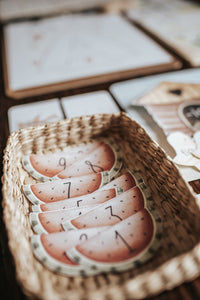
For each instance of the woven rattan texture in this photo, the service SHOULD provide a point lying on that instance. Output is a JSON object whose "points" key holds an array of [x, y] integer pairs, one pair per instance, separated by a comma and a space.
{"points": [[178, 258]]}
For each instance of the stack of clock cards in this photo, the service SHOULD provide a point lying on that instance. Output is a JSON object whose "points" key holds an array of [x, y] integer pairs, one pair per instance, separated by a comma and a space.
{"points": [[86, 217]]}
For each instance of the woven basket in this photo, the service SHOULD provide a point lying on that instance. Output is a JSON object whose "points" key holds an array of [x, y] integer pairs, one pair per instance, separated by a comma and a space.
{"points": [[178, 258]]}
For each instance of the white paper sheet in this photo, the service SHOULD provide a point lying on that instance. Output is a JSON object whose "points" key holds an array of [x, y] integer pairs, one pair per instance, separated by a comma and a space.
{"points": [[33, 114], [90, 103], [75, 46], [176, 22]]}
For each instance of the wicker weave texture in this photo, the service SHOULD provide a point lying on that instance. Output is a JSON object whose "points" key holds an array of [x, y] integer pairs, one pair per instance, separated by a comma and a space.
{"points": [[176, 261]]}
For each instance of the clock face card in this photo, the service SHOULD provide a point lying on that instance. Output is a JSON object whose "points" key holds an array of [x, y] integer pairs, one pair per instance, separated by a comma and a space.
{"points": [[120, 247], [87, 159], [68, 49], [117, 235], [90, 200]]}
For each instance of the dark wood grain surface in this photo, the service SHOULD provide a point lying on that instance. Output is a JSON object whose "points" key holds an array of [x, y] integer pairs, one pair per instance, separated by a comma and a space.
{"points": [[9, 287]]}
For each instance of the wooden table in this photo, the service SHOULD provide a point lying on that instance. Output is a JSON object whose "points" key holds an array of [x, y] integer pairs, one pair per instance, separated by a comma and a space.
{"points": [[9, 288]]}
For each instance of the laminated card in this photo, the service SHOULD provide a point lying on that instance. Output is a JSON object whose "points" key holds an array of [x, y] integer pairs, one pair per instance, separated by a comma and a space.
{"points": [[76, 50]]}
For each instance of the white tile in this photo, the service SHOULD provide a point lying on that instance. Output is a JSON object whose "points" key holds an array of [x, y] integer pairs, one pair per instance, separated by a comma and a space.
{"points": [[33, 114], [88, 104]]}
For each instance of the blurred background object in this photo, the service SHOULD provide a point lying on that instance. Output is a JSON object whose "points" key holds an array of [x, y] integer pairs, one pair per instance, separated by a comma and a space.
{"points": [[18, 9]]}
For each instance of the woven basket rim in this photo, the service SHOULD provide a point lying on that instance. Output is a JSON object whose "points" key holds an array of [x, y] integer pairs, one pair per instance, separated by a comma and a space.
{"points": [[162, 274]]}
